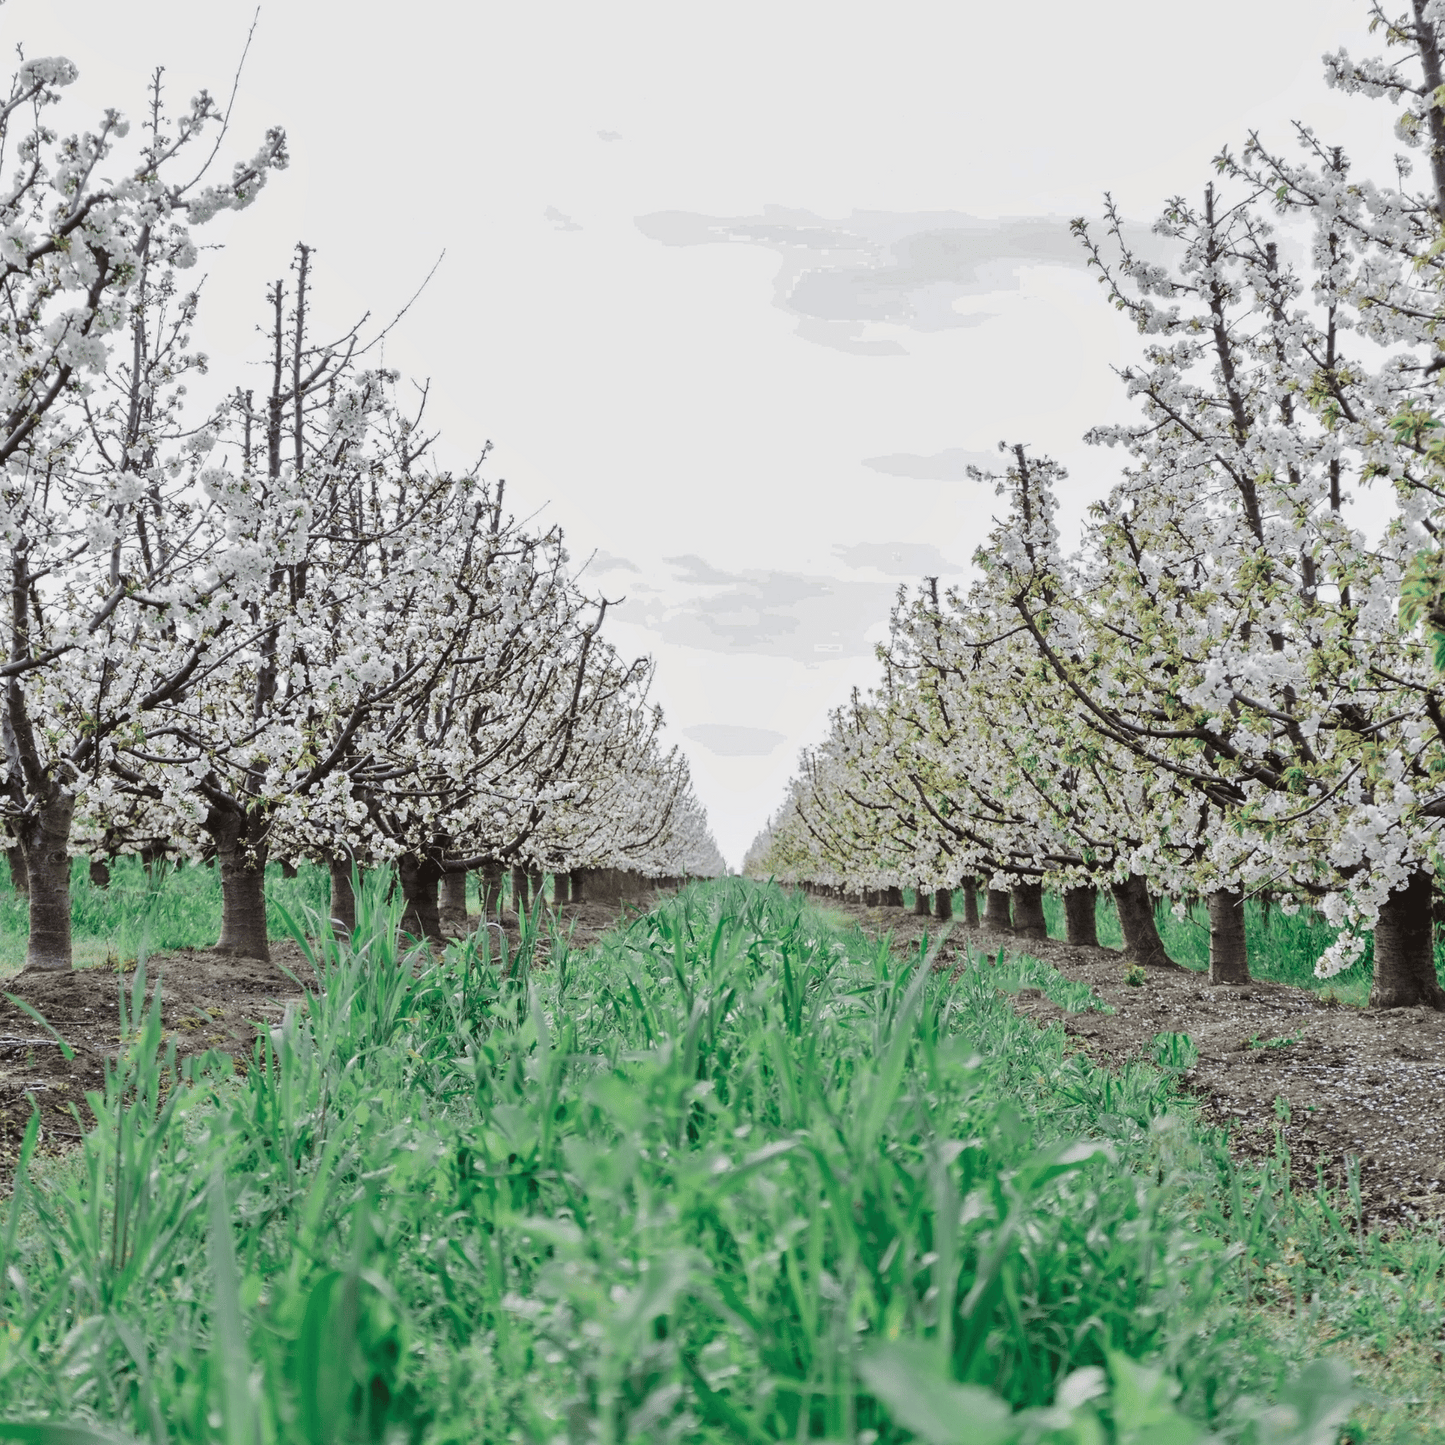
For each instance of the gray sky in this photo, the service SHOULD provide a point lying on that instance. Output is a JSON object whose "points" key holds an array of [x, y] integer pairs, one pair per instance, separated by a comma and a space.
{"points": [[738, 292]]}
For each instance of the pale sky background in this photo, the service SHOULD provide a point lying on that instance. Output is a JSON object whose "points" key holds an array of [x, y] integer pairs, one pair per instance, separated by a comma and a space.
{"points": [[736, 291]]}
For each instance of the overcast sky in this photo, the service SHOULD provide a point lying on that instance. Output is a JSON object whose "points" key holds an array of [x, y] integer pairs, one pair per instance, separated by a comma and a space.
{"points": [[736, 291]]}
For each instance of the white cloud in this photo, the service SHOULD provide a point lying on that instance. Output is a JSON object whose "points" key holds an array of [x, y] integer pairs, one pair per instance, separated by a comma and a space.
{"points": [[728, 741], [949, 465]]}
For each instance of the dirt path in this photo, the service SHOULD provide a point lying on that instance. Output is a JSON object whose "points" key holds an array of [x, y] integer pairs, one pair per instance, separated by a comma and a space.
{"points": [[1365, 1082], [209, 1000]]}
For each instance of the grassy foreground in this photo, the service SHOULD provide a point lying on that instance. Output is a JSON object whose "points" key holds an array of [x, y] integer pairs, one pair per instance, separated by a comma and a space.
{"points": [[733, 1175]]}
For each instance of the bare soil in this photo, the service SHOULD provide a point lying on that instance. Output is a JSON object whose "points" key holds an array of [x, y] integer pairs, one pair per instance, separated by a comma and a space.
{"points": [[209, 1000], [1363, 1082]]}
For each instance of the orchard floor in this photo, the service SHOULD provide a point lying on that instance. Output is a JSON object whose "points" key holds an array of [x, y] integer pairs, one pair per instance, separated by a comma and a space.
{"points": [[1363, 1082], [209, 1000]]}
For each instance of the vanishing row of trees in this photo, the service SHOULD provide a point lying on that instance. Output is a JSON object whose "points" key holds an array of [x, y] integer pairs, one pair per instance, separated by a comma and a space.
{"points": [[288, 631], [1219, 691]]}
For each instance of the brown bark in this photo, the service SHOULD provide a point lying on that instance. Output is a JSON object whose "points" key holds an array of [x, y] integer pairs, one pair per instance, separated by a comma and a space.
{"points": [[562, 887], [343, 898], [1405, 950], [1430, 63], [453, 909], [922, 903], [1081, 906], [1028, 901], [1142, 944], [288, 868], [943, 904], [243, 884], [1228, 955], [150, 855], [536, 886], [491, 890], [45, 837], [996, 916], [421, 917], [970, 902], [19, 877], [99, 873], [893, 897], [519, 891]]}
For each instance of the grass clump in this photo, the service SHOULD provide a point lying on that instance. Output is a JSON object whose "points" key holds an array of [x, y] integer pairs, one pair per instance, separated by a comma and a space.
{"points": [[1014, 972], [736, 1174]]}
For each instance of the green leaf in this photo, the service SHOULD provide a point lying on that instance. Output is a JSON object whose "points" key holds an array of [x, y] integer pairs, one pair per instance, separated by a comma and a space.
{"points": [[40, 1019], [323, 1379], [905, 1376], [1312, 1407], [1143, 1406], [230, 1338]]}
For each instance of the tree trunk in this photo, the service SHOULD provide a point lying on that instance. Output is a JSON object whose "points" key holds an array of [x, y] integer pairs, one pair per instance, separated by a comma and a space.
{"points": [[1081, 913], [46, 840], [1028, 901], [243, 884], [150, 855], [519, 891], [453, 909], [561, 888], [419, 880], [19, 876], [996, 912], [922, 902], [1228, 956], [343, 898], [536, 886], [970, 902], [491, 890], [893, 897], [99, 873], [943, 904], [1404, 949], [1142, 944]]}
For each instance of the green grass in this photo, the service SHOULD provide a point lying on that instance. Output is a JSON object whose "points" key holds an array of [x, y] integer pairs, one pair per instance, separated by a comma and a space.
{"points": [[1283, 948], [173, 906], [180, 907], [736, 1174], [144, 913]]}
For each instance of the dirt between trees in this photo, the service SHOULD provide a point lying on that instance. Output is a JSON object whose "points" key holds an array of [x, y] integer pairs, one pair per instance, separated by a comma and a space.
{"points": [[209, 1000], [1364, 1082]]}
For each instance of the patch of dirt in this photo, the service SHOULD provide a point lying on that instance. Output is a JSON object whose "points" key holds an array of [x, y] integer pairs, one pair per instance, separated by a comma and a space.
{"points": [[583, 923], [1363, 1082], [209, 1000]]}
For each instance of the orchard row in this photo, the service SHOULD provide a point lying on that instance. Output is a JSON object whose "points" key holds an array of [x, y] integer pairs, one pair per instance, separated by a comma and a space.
{"points": [[284, 630], [1228, 685]]}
